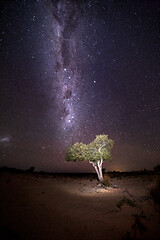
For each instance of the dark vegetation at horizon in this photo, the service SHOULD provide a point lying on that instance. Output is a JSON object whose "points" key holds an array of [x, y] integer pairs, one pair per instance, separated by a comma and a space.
{"points": [[112, 174]]}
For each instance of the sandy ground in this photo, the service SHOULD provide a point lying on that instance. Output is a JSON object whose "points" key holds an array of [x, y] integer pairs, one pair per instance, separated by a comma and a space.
{"points": [[34, 207]]}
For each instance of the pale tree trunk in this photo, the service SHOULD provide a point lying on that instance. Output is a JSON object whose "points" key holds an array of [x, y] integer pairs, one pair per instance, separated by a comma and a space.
{"points": [[98, 167]]}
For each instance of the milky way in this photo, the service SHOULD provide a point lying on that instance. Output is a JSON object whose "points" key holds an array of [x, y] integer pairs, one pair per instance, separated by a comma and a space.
{"points": [[66, 66]]}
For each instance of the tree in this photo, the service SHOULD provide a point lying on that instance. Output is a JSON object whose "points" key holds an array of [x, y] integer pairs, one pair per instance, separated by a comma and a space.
{"points": [[95, 153]]}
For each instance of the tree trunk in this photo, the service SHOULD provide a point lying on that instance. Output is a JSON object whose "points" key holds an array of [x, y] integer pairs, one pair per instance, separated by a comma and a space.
{"points": [[98, 168], [100, 177]]}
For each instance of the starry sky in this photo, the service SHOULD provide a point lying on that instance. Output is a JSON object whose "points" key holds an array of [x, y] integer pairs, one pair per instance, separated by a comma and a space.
{"points": [[70, 70]]}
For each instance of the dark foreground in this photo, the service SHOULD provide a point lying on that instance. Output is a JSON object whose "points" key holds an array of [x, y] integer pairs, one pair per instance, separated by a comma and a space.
{"points": [[61, 207]]}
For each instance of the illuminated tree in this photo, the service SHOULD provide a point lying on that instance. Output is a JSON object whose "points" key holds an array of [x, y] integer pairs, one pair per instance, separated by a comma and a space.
{"points": [[95, 153]]}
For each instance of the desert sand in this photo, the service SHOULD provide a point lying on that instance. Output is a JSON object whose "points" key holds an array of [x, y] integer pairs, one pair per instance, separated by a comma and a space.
{"points": [[46, 207]]}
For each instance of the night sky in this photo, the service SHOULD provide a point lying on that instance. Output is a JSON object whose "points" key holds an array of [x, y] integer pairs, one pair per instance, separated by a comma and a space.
{"points": [[70, 70]]}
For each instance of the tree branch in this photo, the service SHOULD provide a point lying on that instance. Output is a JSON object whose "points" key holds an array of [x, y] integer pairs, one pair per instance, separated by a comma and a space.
{"points": [[99, 149], [101, 161]]}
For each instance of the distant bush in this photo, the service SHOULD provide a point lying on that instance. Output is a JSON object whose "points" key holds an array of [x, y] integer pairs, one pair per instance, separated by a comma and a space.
{"points": [[157, 168], [155, 192], [31, 169]]}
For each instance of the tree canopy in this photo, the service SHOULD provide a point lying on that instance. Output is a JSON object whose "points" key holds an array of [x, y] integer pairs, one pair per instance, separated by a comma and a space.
{"points": [[94, 152]]}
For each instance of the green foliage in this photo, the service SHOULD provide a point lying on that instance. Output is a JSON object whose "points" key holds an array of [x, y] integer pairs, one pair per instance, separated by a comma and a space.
{"points": [[77, 152], [126, 201], [99, 149]]}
